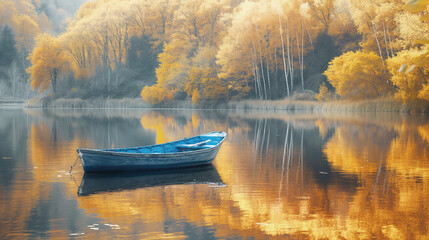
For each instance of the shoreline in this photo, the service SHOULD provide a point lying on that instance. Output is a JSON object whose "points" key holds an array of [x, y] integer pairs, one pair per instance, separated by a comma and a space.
{"points": [[11, 103], [376, 105]]}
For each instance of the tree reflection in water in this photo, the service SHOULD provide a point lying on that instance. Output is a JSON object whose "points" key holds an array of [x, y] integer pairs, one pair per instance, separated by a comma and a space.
{"points": [[353, 176]]}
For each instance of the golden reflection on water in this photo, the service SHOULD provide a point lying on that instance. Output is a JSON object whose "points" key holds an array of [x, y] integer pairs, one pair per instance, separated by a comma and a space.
{"points": [[390, 162], [377, 185]]}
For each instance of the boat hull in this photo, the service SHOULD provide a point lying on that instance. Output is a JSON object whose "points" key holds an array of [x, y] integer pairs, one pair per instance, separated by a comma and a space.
{"points": [[101, 161]]}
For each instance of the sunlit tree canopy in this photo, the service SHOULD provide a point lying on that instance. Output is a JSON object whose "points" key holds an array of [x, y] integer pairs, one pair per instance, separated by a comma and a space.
{"points": [[219, 50]]}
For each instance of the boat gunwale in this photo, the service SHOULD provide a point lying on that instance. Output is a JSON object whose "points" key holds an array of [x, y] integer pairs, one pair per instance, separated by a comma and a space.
{"points": [[110, 152]]}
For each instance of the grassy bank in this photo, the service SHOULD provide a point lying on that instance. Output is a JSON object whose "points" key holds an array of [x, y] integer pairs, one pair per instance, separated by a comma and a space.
{"points": [[11, 103], [90, 103], [76, 103], [378, 105]]}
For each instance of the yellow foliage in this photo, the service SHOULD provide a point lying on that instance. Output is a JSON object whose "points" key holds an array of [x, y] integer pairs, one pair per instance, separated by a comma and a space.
{"points": [[215, 88], [156, 94], [22, 18], [359, 75], [277, 29], [245, 50], [80, 49], [49, 62], [173, 66], [424, 93], [324, 94], [412, 83], [194, 80], [203, 84], [26, 29], [421, 61], [376, 21], [322, 11], [416, 5]]}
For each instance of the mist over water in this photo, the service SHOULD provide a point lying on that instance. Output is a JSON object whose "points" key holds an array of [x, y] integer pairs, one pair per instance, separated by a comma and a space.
{"points": [[282, 175]]}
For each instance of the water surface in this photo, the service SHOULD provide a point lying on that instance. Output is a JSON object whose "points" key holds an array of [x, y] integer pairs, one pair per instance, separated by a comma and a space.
{"points": [[278, 175]]}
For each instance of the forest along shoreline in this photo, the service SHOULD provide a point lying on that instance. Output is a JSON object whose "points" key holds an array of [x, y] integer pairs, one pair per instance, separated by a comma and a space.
{"points": [[170, 52], [375, 105]]}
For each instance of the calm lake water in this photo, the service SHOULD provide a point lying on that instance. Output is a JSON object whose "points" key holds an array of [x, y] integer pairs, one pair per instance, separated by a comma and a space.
{"points": [[277, 176]]}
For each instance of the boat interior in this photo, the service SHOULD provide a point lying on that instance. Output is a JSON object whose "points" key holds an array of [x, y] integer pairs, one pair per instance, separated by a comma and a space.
{"points": [[188, 144]]}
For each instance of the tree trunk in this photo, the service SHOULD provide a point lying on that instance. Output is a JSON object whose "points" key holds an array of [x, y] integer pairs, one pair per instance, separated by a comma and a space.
{"points": [[255, 66], [283, 55], [268, 76], [378, 43], [299, 50], [54, 79], [289, 57], [302, 56], [385, 41], [262, 66]]}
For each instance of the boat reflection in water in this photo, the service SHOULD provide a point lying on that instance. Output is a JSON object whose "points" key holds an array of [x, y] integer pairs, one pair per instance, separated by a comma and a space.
{"points": [[93, 183]]}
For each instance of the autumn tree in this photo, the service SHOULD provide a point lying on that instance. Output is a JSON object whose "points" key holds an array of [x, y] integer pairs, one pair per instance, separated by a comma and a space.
{"points": [[412, 83], [213, 11], [156, 94], [154, 18], [324, 93], [197, 25], [21, 16], [235, 55], [342, 28], [171, 74], [49, 63], [267, 53], [81, 51], [375, 20], [203, 84], [219, 49], [322, 10], [359, 75], [190, 22], [409, 68]]}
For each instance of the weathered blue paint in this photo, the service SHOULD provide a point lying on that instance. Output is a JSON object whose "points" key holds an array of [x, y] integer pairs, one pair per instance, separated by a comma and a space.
{"points": [[198, 150]]}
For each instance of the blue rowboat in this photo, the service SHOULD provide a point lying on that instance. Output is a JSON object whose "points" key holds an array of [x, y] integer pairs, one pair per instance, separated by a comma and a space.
{"points": [[188, 152]]}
